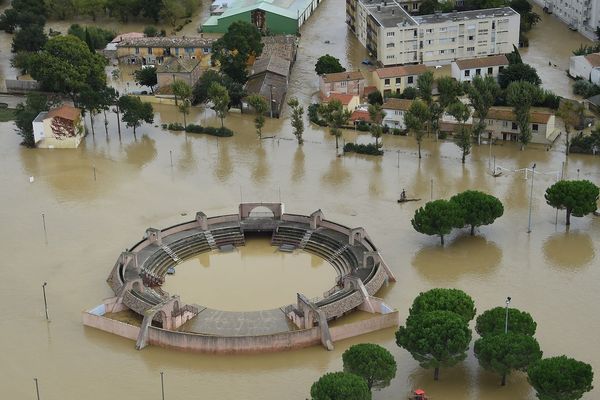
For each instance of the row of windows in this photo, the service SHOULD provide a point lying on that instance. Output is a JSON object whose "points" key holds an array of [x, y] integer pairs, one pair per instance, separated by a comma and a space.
{"points": [[490, 71], [187, 50], [409, 80]]}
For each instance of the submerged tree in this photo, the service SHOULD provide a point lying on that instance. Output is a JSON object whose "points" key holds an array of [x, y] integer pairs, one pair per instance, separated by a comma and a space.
{"points": [[438, 217], [147, 77], [478, 208], [336, 117], [297, 118], [26, 112], [571, 112], [560, 378], [183, 96], [135, 111], [219, 96], [260, 108], [577, 198], [462, 139], [328, 65], [377, 115], [442, 299], [415, 120], [372, 362], [482, 93], [340, 386], [493, 322], [521, 96]]}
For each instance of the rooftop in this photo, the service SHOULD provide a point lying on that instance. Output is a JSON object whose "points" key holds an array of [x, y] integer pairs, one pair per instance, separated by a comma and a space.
{"points": [[397, 104], [267, 85], [388, 13], [285, 8], [465, 15], [176, 64], [507, 114], [283, 46], [343, 98], [593, 59], [403, 70], [482, 62], [343, 76], [167, 41], [65, 112], [274, 64]]}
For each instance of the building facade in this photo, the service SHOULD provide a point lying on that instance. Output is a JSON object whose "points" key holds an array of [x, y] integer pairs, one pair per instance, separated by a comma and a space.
{"points": [[586, 67], [60, 128], [465, 70], [502, 124], [155, 50], [178, 69], [349, 82], [350, 102], [580, 15], [394, 112], [394, 37], [393, 80]]}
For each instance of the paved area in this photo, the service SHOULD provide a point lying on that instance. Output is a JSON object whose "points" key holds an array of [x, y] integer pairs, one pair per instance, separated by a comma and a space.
{"points": [[231, 323]]}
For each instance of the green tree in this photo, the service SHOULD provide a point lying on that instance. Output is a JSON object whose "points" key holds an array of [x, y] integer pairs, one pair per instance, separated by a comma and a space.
{"points": [[26, 112], [96, 38], [336, 117], [377, 115], [147, 77], [200, 91], [297, 118], [91, 101], [462, 139], [371, 362], [516, 73], [449, 90], [578, 198], [340, 386], [135, 111], [478, 208], [425, 87], [415, 120], [219, 96], [151, 31], [482, 93], [183, 94], [108, 98], [506, 352], [521, 96], [492, 322], [435, 339], [410, 93], [560, 378], [66, 65], [232, 51], [260, 106], [375, 97], [328, 65], [438, 217], [442, 299], [571, 112], [30, 38]]}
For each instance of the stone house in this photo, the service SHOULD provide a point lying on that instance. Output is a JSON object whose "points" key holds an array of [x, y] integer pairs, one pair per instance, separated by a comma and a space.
{"points": [[350, 102], [393, 80], [60, 127], [269, 77], [156, 50], [466, 69], [394, 112], [502, 125], [586, 67], [349, 82], [183, 69]]}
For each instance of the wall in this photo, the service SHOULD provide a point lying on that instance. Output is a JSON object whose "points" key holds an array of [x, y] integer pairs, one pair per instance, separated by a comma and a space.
{"points": [[110, 325], [345, 331]]}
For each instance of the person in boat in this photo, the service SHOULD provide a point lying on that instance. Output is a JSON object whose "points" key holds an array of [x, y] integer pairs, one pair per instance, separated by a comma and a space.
{"points": [[403, 195]]}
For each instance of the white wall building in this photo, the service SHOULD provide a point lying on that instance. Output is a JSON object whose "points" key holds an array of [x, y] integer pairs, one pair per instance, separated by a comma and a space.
{"points": [[466, 69], [395, 37], [586, 67], [580, 15], [394, 112]]}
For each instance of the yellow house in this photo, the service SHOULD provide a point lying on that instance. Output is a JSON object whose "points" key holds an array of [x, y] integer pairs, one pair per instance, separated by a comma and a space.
{"points": [[154, 50], [393, 80], [61, 127], [350, 102]]}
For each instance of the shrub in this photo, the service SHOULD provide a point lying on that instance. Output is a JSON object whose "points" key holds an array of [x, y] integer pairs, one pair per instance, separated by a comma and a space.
{"points": [[175, 127], [397, 132], [370, 149], [442, 135], [585, 88], [193, 128], [313, 115], [585, 143], [362, 126]]}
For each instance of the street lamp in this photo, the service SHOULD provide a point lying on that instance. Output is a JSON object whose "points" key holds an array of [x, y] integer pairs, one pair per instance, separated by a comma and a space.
{"points": [[531, 197], [271, 100], [45, 302], [37, 388], [506, 319], [162, 385]]}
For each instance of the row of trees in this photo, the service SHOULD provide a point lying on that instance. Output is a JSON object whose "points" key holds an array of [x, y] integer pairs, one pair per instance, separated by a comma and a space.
{"points": [[471, 208]]}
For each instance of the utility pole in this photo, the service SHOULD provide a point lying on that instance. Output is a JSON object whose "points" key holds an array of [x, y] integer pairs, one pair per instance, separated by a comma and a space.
{"points": [[37, 388], [531, 197], [162, 385], [45, 301]]}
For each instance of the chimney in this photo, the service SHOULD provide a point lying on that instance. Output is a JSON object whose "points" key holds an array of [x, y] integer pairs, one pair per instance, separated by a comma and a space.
{"points": [[393, 11], [378, 7]]}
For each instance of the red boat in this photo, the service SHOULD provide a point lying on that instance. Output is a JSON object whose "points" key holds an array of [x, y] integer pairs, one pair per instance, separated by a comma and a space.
{"points": [[419, 394]]}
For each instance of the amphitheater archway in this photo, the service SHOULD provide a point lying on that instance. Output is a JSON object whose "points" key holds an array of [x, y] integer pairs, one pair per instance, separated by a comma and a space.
{"points": [[261, 212]]}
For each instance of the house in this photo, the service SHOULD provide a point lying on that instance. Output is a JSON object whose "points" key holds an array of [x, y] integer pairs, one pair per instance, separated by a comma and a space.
{"points": [[360, 116], [466, 69], [395, 79], [110, 51], [394, 112], [274, 16], [593, 104], [155, 50], [586, 67], [182, 69], [269, 77], [284, 46], [350, 102], [349, 82], [60, 127], [501, 124], [394, 37]]}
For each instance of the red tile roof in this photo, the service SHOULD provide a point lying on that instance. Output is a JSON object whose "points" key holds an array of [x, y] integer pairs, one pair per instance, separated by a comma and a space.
{"points": [[65, 112], [593, 59], [360, 115], [343, 98], [397, 104], [402, 70], [343, 76], [507, 114]]}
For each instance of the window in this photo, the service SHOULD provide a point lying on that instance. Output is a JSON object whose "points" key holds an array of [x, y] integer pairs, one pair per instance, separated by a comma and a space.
{"points": [[137, 50], [205, 50], [390, 57], [390, 33], [343, 83], [398, 91], [514, 126], [398, 81], [176, 51], [415, 6], [470, 48], [430, 30], [500, 68], [534, 127], [397, 112], [415, 33], [493, 24], [467, 72], [478, 71], [149, 50], [490, 70], [471, 37], [189, 50], [386, 82], [442, 51], [409, 79], [389, 45], [505, 124]]}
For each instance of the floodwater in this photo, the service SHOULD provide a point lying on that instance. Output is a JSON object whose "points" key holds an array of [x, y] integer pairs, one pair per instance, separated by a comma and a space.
{"points": [[263, 278], [551, 272]]}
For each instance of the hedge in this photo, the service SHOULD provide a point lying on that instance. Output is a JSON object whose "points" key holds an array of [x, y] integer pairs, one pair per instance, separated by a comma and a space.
{"points": [[370, 149]]}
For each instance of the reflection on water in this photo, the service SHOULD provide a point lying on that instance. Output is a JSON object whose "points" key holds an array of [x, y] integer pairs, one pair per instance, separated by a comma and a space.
{"points": [[569, 250], [141, 152], [466, 255], [252, 277]]}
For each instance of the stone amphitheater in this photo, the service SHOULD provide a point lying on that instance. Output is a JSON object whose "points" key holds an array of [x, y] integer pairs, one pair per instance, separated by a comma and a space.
{"points": [[139, 272]]}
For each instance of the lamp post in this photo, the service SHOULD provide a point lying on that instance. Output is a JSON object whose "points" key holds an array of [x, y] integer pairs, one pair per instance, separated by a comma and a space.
{"points": [[37, 388], [271, 101], [162, 385], [531, 197], [45, 303], [506, 319]]}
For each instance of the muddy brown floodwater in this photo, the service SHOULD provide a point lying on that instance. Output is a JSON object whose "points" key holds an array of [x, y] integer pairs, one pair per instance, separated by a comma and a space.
{"points": [[551, 272]]}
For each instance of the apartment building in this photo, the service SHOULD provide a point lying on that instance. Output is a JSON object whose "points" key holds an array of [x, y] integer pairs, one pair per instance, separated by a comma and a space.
{"points": [[466, 69], [395, 37], [580, 15], [393, 80]]}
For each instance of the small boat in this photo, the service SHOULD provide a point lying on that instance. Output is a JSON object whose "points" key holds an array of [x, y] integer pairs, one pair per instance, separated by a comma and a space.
{"points": [[405, 200], [419, 394], [171, 271], [497, 174]]}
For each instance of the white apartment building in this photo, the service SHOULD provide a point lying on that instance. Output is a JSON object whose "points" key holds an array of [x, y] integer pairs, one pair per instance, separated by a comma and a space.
{"points": [[395, 37], [586, 67], [580, 15], [466, 69]]}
